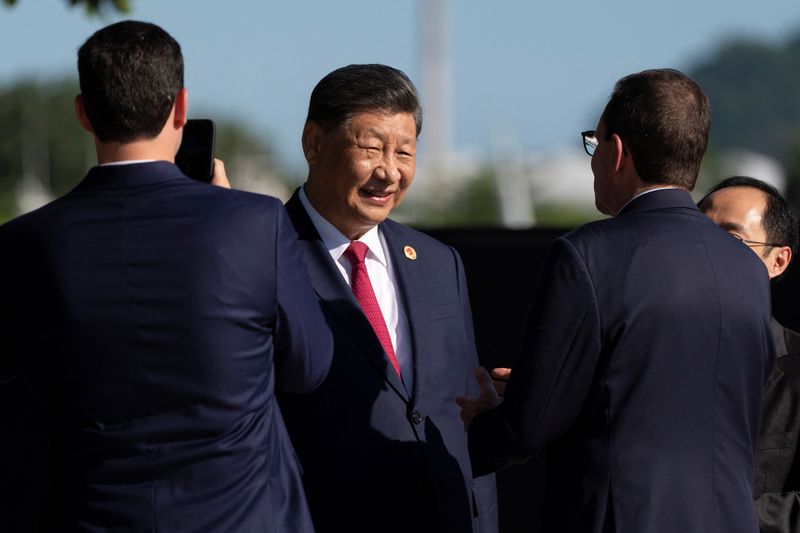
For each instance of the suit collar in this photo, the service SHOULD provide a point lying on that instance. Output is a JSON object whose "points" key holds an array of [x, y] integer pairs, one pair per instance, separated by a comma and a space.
{"points": [[660, 199], [778, 333], [129, 176], [336, 294]]}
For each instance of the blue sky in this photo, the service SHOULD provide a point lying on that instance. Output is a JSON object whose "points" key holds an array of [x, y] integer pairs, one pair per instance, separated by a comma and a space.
{"points": [[535, 72]]}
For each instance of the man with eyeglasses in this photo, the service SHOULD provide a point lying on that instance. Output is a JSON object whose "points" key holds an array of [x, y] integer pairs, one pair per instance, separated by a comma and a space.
{"points": [[648, 341], [755, 213]]}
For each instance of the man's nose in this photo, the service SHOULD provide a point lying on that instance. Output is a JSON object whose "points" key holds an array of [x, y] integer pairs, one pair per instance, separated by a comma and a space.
{"points": [[388, 171]]}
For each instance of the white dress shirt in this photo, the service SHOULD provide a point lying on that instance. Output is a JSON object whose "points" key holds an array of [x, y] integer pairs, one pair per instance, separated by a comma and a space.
{"points": [[381, 275]]}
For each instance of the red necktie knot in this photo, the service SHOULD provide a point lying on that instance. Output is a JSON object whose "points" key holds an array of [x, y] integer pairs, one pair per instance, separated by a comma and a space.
{"points": [[356, 252]]}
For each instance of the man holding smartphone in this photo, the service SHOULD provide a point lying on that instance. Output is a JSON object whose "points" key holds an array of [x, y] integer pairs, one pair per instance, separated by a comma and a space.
{"points": [[146, 321]]}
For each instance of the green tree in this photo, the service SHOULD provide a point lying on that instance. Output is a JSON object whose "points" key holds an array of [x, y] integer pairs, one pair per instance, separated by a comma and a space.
{"points": [[754, 88], [44, 146], [92, 7], [474, 204]]}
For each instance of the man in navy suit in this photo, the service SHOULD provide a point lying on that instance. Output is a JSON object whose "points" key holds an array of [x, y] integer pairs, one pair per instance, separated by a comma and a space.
{"points": [[146, 321], [648, 341], [381, 443]]}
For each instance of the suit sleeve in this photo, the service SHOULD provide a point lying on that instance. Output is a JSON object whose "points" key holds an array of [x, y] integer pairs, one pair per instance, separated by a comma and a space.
{"points": [[554, 368], [778, 512], [303, 341]]}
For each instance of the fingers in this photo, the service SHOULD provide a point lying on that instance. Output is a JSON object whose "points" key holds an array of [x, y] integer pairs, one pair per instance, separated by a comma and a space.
{"points": [[501, 373], [219, 178], [484, 379], [501, 376], [469, 409], [471, 405]]}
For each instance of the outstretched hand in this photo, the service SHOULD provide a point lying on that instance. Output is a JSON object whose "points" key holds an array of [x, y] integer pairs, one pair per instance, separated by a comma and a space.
{"points": [[488, 398]]}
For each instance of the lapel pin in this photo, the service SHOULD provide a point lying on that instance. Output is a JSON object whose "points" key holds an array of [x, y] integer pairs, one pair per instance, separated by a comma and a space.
{"points": [[410, 252]]}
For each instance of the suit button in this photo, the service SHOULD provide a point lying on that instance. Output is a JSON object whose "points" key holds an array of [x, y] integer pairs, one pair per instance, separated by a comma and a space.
{"points": [[416, 417]]}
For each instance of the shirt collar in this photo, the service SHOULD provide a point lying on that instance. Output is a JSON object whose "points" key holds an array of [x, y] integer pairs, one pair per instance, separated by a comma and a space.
{"points": [[335, 242], [128, 162], [648, 191]]}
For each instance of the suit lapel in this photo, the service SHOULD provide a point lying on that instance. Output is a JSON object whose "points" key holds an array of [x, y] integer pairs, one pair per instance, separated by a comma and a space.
{"points": [[779, 336], [410, 280], [334, 292]]}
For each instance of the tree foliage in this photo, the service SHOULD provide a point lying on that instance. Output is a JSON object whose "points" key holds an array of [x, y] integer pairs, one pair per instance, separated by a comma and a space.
{"points": [[44, 143], [92, 7], [754, 89]]}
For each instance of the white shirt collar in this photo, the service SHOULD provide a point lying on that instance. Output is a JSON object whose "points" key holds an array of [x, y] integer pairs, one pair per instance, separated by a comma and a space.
{"points": [[130, 162], [335, 241], [648, 191]]}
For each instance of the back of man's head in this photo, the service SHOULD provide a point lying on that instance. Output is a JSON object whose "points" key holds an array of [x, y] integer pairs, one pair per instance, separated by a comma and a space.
{"points": [[663, 118], [780, 218], [357, 88], [130, 73]]}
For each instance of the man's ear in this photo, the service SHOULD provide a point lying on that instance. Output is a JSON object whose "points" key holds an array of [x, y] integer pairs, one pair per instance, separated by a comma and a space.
{"points": [[80, 112], [618, 152], [313, 137], [181, 107], [780, 261]]}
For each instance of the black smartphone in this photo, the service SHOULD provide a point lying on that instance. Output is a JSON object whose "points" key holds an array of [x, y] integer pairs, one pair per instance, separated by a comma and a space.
{"points": [[195, 156]]}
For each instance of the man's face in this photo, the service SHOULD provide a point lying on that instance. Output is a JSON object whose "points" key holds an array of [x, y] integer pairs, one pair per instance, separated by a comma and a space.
{"points": [[360, 172], [740, 211]]}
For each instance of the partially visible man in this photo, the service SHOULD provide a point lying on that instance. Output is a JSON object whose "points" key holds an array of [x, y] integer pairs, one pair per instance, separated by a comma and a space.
{"points": [[648, 341], [145, 321], [755, 213], [380, 441]]}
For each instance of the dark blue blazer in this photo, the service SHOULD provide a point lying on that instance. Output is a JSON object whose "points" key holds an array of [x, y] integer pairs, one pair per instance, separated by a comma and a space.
{"points": [[375, 456], [642, 367], [146, 321]]}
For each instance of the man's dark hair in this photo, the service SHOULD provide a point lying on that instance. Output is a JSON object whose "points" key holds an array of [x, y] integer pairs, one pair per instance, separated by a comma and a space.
{"points": [[780, 218], [130, 73], [663, 119], [357, 88]]}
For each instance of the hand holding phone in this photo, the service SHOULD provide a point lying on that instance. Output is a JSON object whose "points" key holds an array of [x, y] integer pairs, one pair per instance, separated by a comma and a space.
{"points": [[195, 156]]}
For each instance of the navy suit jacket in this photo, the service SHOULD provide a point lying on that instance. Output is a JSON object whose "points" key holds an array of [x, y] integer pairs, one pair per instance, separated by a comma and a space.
{"points": [[146, 320], [375, 456], [642, 367]]}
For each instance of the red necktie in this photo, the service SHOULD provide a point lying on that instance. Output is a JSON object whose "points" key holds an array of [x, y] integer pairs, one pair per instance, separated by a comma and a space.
{"points": [[362, 290]]}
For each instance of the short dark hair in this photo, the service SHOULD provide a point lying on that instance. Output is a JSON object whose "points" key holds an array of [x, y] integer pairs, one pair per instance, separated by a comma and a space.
{"points": [[130, 73], [356, 88], [663, 117], [780, 218]]}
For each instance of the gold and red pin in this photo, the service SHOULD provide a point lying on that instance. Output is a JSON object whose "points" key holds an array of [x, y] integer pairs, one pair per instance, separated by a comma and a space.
{"points": [[410, 252]]}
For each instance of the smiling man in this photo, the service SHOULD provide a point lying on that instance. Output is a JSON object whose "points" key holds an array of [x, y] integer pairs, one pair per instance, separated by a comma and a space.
{"points": [[381, 442]]}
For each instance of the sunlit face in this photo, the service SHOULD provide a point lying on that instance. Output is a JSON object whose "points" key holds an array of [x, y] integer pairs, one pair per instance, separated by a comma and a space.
{"points": [[740, 211], [359, 172]]}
